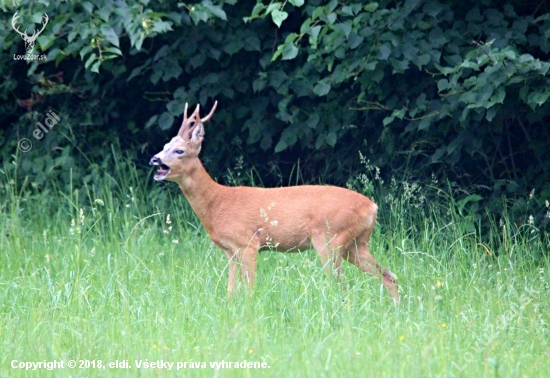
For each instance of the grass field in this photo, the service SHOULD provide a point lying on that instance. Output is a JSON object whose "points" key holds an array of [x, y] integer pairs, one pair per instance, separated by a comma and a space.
{"points": [[99, 274]]}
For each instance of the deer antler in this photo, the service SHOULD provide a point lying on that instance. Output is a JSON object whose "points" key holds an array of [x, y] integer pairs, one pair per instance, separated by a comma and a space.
{"points": [[210, 114], [44, 23], [35, 34], [184, 123], [189, 124], [13, 21]]}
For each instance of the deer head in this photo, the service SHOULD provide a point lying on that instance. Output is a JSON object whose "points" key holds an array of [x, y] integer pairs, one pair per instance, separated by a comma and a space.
{"points": [[29, 40], [183, 147]]}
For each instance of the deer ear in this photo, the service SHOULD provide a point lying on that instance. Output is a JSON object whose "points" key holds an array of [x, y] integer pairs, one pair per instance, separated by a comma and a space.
{"points": [[198, 134]]}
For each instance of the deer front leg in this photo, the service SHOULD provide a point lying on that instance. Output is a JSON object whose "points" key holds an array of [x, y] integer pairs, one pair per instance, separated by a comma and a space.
{"points": [[248, 260], [232, 270]]}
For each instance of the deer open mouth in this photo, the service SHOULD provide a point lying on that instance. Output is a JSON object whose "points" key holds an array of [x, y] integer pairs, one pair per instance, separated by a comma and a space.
{"points": [[162, 170]]}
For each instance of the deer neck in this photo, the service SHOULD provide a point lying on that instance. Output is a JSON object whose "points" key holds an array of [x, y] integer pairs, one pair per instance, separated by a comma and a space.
{"points": [[199, 188]]}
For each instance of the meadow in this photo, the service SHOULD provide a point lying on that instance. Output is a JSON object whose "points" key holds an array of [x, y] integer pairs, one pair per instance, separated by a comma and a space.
{"points": [[119, 271]]}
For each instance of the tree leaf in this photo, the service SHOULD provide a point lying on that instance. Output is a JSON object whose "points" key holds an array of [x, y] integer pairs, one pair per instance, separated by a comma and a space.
{"points": [[87, 6], [296, 3], [388, 120], [160, 26], [384, 51], [344, 28], [491, 113], [165, 121], [109, 34], [320, 140], [151, 121], [215, 10], [46, 41], [95, 66], [113, 50], [442, 85], [425, 123], [199, 13], [289, 51], [313, 120], [331, 18], [278, 17], [90, 60], [280, 146], [331, 138], [321, 89]]}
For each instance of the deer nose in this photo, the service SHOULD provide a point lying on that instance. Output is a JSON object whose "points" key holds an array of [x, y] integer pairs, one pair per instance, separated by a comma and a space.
{"points": [[154, 161]]}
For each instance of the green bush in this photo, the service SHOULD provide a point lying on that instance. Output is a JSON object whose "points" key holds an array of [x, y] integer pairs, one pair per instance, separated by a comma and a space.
{"points": [[458, 91]]}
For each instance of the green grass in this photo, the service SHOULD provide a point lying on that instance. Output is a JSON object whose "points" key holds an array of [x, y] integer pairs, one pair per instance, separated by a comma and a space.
{"points": [[111, 283]]}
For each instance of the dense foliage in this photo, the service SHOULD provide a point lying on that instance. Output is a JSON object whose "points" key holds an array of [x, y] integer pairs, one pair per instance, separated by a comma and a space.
{"points": [[423, 89]]}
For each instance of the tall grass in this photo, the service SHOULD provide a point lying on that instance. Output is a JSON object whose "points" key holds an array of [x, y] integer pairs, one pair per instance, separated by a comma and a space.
{"points": [[118, 269]]}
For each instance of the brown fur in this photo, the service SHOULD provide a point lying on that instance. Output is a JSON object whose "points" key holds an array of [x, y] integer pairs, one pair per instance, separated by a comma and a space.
{"points": [[241, 221]]}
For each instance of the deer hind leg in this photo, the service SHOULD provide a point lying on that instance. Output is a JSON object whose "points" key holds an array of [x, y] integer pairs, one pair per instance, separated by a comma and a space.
{"points": [[330, 252], [358, 254]]}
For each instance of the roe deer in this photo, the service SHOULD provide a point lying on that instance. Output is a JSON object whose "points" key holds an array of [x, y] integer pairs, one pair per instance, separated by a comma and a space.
{"points": [[241, 221]]}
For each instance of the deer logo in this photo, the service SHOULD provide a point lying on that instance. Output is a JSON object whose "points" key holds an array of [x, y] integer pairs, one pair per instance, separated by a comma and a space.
{"points": [[29, 39]]}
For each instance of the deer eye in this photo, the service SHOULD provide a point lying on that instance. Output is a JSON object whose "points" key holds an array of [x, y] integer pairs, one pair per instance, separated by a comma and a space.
{"points": [[179, 152]]}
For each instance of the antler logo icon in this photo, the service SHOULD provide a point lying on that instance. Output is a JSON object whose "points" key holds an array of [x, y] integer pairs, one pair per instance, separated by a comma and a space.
{"points": [[29, 39]]}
